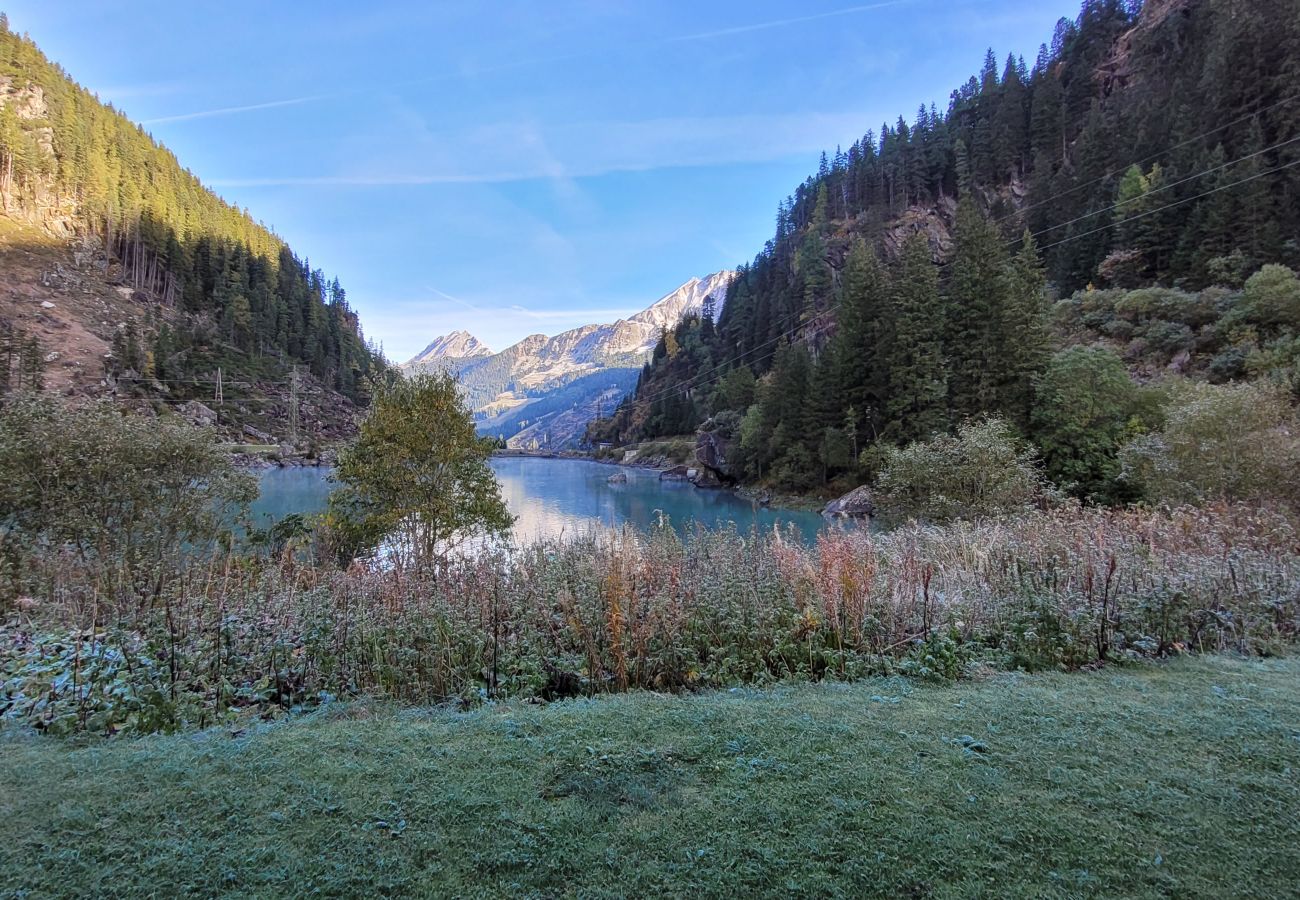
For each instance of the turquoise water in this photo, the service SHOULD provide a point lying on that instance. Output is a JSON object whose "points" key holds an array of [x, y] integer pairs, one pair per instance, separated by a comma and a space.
{"points": [[561, 497], [303, 490]]}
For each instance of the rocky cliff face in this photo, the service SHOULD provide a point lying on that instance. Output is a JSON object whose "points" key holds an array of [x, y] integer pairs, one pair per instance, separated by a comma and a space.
{"points": [[34, 202]]}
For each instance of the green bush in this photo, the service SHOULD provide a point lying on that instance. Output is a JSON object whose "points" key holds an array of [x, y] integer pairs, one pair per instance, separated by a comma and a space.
{"points": [[1229, 442], [108, 503], [980, 472], [1272, 298], [1085, 411]]}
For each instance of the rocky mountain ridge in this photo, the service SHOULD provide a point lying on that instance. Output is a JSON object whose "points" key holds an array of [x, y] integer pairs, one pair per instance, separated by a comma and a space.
{"points": [[500, 387], [457, 345]]}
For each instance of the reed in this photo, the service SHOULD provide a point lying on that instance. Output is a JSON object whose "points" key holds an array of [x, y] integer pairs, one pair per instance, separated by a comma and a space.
{"points": [[614, 612]]}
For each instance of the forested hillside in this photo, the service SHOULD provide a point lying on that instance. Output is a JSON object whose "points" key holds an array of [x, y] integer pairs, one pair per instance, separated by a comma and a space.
{"points": [[1134, 192], [208, 286]]}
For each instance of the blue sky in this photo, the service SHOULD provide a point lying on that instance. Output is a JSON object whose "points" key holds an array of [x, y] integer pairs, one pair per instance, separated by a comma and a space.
{"points": [[519, 167]]}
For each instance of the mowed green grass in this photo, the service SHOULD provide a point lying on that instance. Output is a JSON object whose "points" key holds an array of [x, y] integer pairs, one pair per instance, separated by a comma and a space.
{"points": [[1180, 779]]}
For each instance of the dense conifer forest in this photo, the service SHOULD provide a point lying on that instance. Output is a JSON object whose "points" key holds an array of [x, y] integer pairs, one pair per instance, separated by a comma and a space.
{"points": [[1125, 206], [223, 288]]}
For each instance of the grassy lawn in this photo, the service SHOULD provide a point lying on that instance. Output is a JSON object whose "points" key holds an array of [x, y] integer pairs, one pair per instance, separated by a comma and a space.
{"points": [[1172, 780]]}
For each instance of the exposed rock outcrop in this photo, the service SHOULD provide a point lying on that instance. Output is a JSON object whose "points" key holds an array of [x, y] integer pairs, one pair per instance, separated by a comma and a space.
{"points": [[706, 479], [856, 504], [258, 434], [36, 201], [711, 447], [198, 414], [935, 222]]}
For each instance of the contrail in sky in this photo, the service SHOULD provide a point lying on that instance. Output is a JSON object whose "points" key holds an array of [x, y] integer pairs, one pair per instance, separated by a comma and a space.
{"points": [[232, 110], [447, 296], [779, 23], [699, 36]]}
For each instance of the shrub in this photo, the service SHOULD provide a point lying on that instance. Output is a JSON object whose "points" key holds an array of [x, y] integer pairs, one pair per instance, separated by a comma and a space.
{"points": [[622, 611], [1086, 405], [108, 504], [1220, 442], [1272, 297], [977, 473]]}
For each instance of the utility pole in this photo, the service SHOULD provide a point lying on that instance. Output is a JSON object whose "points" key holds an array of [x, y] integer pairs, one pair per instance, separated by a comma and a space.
{"points": [[218, 398]]}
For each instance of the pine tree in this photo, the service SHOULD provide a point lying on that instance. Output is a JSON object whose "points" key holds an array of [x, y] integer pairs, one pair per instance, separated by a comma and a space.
{"points": [[863, 327], [918, 379], [1025, 345], [975, 293]]}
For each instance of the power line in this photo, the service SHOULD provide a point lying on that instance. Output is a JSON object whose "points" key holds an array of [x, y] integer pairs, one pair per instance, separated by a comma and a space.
{"points": [[1150, 212], [699, 381], [1172, 184], [178, 402], [1157, 155]]}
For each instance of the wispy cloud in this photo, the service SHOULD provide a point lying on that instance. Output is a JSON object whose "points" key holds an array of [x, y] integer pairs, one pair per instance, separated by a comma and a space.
{"points": [[378, 180], [781, 23], [446, 296], [513, 152], [526, 63], [233, 110]]}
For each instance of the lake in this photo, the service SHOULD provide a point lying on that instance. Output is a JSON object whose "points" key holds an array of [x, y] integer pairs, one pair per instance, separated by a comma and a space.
{"points": [[561, 497]]}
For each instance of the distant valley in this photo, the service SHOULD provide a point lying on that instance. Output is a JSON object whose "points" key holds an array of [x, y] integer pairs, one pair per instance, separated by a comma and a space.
{"points": [[542, 391]]}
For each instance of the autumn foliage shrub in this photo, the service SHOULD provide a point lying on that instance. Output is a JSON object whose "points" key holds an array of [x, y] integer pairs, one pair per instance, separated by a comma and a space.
{"points": [[627, 610]]}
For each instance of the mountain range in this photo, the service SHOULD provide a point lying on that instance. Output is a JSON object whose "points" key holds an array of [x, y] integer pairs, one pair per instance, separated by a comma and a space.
{"points": [[457, 345], [541, 391]]}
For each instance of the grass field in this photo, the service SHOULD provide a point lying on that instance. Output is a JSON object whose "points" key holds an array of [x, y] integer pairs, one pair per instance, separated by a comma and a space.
{"points": [[1178, 779]]}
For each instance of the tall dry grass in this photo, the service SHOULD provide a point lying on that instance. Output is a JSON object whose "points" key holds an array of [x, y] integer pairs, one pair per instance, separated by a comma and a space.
{"points": [[659, 611]]}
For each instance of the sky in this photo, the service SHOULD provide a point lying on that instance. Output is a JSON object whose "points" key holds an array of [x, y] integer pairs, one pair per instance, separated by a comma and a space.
{"points": [[519, 167]]}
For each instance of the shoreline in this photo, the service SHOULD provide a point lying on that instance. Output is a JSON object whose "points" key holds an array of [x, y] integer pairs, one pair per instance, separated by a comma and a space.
{"points": [[759, 496]]}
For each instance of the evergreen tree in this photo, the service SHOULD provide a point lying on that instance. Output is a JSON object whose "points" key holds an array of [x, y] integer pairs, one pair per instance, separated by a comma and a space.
{"points": [[975, 327], [863, 332], [1025, 345], [917, 401]]}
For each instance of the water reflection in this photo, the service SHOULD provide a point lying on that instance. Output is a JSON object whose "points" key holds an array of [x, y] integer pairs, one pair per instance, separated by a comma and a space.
{"points": [[557, 498]]}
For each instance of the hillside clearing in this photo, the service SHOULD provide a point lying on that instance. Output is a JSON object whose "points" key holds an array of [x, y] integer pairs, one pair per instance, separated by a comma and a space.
{"points": [[1143, 781]]}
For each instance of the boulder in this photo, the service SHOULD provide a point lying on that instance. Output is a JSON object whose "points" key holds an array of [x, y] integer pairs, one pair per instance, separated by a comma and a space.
{"points": [[711, 448], [198, 414], [856, 504], [705, 479], [676, 473], [258, 434], [617, 478]]}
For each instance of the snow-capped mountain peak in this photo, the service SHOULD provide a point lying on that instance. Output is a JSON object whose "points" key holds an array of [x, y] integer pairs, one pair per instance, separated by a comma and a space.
{"points": [[504, 388], [457, 345], [669, 309]]}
